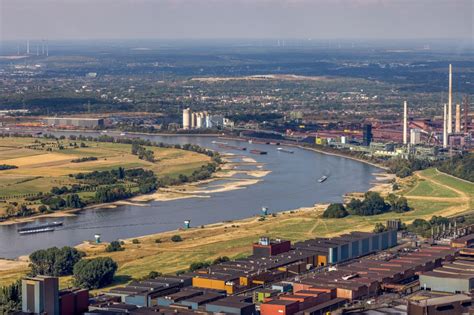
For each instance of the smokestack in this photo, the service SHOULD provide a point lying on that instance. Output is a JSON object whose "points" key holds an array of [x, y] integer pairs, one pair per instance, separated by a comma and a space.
{"points": [[28, 47], [405, 122], [450, 100], [42, 46], [457, 124], [445, 130], [47, 49], [466, 113]]}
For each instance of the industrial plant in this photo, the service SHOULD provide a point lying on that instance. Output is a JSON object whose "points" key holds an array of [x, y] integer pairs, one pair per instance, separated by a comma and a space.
{"points": [[202, 120], [348, 274]]}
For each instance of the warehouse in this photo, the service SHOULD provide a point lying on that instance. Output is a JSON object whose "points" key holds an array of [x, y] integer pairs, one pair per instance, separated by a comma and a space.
{"points": [[144, 293], [348, 246], [463, 242], [454, 304], [74, 122], [368, 276], [454, 277]]}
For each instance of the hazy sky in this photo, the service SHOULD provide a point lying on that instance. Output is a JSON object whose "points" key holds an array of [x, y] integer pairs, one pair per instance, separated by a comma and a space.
{"points": [[351, 19]]}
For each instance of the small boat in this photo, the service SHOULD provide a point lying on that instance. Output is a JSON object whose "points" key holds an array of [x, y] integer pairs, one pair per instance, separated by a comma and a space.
{"points": [[258, 152], [218, 142], [322, 179], [285, 150]]}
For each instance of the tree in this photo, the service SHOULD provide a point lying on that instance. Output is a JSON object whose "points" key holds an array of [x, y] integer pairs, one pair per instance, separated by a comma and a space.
{"points": [[74, 201], [354, 206], [401, 205], [379, 228], [198, 265], [114, 246], [219, 260], [335, 210], [154, 275], [54, 261], [176, 238], [94, 273], [42, 208], [10, 298]]}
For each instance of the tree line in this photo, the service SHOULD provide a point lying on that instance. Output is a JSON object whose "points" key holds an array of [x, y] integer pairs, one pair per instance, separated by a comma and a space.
{"points": [[372, 204]]}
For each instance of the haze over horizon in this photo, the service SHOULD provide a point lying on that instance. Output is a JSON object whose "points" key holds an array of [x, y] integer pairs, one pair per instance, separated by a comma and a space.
{"points": [[233, 19]]}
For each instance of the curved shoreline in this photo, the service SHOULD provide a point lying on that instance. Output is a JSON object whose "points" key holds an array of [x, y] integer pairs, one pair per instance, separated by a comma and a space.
{"points": [[285, 144]]}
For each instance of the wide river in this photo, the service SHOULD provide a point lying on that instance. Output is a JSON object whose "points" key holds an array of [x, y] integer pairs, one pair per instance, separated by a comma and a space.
{"points": [[291, 184]]}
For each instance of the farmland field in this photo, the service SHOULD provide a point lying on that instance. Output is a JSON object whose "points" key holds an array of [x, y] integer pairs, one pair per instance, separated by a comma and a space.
{"points": [[46, 163]]}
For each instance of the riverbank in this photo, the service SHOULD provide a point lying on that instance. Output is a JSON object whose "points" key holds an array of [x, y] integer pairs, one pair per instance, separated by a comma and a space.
{"points": [[295, 145]]}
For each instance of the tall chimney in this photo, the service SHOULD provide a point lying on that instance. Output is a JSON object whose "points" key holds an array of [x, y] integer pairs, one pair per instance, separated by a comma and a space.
{"points": [[466, 113], [457, 124], [28, 47], [405, 122], [450, 100], [445, 130]]}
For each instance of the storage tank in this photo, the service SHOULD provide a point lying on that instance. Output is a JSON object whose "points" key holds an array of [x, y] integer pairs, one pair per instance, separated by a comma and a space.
{"points": [[186, 118]]}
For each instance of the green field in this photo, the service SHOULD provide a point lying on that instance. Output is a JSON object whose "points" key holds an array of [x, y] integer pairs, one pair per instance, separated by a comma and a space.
{"points": [[432, 189], [46, 163]]}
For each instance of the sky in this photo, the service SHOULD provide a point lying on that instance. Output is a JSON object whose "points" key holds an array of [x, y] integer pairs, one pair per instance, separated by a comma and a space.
{"points": [[228, 19]]}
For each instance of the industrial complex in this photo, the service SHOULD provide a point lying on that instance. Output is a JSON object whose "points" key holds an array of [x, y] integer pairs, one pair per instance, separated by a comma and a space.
{"points": [[347, 274]]}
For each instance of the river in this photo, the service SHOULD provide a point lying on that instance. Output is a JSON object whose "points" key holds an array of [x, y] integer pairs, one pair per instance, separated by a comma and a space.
{"points": [[291, 184]]}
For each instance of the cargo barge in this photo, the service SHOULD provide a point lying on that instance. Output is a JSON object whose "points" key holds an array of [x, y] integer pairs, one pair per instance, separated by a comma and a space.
{"points": [[232, 147], [258, 152], [285, 150], [39, 228]]}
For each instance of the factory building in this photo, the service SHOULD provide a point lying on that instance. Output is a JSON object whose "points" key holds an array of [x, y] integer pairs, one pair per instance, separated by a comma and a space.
{"points": [[86, 123], [415, 136], [454, 304], [274, 260], [367, 135], [199, 120], [453, 277], [367, 277], [146, 292], [40, 295]]}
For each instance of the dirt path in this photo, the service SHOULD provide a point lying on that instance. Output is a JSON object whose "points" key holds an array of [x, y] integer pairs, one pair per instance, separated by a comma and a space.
{"points": [[462, 202]]}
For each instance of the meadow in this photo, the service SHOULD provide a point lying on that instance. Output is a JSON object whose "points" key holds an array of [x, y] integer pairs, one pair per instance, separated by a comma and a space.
{"points": [[46, 163]]}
